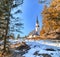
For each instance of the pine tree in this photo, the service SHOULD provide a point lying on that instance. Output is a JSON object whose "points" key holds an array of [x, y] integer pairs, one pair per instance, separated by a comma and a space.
{"points": [[5, 17], [18, 36], [11, 36]]}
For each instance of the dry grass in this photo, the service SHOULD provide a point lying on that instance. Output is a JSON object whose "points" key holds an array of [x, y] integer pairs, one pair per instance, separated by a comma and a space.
{"points": [[6, 54]]}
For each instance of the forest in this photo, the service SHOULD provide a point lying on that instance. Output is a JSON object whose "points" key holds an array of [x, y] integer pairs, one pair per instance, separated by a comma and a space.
{"points": [[51, 17]]}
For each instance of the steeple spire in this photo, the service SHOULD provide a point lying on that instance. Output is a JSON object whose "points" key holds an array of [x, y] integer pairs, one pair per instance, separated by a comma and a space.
{"points": [[37, 22], [37, 25]]}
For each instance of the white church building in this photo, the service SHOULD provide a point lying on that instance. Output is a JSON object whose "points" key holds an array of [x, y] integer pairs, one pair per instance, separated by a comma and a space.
{"points": [[36, 31]]}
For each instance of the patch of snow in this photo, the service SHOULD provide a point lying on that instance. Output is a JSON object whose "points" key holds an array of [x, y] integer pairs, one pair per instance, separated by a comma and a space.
{"points": [[16, 50], [41, 48]]}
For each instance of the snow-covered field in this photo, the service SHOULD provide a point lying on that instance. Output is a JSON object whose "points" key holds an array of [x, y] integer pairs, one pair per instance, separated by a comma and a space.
{"points": [[47, 42], [42, 50]]}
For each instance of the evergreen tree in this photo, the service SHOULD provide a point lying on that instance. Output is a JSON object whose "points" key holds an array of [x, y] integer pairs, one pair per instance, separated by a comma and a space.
{"points": [[18, 36], [11, 36], [5, 16]]}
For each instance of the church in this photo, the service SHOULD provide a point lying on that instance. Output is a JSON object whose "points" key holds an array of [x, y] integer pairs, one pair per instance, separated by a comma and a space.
{"points": [[36, 32]]}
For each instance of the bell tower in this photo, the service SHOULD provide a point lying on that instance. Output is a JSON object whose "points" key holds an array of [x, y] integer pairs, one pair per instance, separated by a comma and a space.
{"points": [[37, 25]]}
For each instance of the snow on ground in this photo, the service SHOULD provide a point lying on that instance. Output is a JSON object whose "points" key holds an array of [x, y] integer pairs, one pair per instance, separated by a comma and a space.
{"points": [[39, 50], [47, 42]]}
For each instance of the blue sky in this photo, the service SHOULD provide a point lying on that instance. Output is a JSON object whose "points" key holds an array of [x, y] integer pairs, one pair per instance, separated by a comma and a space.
{"points": [[31, 9]]}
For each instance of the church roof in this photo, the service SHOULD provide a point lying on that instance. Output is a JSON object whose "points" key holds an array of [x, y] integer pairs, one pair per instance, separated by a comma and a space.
{"points": [[34, 33]]}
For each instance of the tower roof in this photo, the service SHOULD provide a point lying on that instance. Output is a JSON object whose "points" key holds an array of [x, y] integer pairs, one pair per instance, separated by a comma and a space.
{"points": [[37, 22]]}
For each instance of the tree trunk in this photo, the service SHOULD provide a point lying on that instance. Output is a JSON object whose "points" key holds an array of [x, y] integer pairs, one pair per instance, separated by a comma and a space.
{"points": [[5, 36], [5, 43]]}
